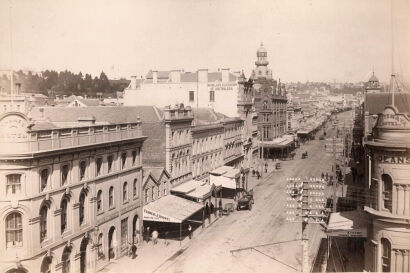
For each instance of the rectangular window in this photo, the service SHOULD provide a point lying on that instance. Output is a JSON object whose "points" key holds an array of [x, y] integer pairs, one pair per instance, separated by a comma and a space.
{"points": [[146, 195], [124, 232], [13, 183], [152, 194], [212, 95], [134, 157], [191, 96], [165, 188], [64, 174], [98, 165], [110, 160]]}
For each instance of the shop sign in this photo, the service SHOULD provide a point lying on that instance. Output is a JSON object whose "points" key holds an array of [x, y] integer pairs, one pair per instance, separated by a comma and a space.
{"points": [[393, 159], [348, 233], [149, 215]]}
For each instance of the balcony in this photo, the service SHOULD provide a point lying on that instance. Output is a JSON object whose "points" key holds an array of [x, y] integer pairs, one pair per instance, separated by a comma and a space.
{"points": [[57, 139]]}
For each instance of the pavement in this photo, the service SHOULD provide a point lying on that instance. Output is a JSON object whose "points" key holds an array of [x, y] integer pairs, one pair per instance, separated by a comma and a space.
{"points": [[259, 240]]}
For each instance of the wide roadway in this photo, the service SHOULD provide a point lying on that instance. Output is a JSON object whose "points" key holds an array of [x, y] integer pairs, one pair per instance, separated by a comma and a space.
{"points": [[263, 228]]}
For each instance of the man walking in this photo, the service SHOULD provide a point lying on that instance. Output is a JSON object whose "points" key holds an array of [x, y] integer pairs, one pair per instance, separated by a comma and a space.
{"points": [[189, 231]]}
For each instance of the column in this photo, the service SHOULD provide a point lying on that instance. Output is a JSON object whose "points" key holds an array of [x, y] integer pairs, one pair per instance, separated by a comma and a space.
{"points": [[399, 261], [406, 260], [393, 260], [400, 199], [407, 200]]}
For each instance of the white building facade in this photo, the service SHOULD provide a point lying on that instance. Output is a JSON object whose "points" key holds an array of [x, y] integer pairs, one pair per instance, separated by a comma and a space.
{"points": [[216, 90]]}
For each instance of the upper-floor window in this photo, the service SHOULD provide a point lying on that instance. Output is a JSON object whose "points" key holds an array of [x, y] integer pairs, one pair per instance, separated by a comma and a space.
{"points": [[212, 95], [158, 191], [111, 197], [386, 255], [99, 200], [146, 195], [14, 230], [43, 179], [387, 192], [191, 96], [83, 166], [134, 157], [98, 165], [82, 207], [134, 188], [110, 159], [100, 250], [64, 174], [125, 192], [63, 207], [165, 188], [43, 223], [152, 194], [123, 160], [13, 183]]}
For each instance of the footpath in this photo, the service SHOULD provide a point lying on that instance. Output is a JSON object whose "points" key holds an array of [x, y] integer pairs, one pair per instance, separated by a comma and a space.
{"points": [[151, 258]]}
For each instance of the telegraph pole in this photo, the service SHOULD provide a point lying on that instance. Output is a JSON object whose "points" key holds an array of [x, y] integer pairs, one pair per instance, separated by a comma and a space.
{"points": [[306, 204], [334, 176]]}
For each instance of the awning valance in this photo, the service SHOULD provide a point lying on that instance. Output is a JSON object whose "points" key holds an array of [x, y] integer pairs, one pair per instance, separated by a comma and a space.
{"points": [[347, 224], [171, 209]]}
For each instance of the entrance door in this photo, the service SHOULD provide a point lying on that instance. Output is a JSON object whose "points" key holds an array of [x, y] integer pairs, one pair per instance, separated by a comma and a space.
{"points": [[83, 255], [135, 229], [112, 242]]}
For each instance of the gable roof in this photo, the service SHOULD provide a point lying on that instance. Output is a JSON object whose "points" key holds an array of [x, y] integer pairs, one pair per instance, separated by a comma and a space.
{"points": [[156, 174], [376, 102]]}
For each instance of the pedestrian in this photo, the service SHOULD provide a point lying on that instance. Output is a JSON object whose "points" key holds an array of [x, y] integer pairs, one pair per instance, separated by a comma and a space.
{"points": [[129, 249], [166, 238], [134, 250], [189, 231], [220, 207], [213, 209], [155, 237], [323, 175], [147, 234]]}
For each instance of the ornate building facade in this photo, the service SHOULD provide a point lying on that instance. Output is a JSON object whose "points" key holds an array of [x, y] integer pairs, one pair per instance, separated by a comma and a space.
{"points": [[388, 245], [71, 195]]}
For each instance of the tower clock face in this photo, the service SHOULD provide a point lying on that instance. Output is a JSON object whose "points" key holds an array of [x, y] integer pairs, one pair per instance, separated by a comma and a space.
{"points": [[13, 128]]}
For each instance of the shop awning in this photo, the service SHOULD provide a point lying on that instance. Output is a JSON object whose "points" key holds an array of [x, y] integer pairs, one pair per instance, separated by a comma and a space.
{"points": [[187, 187], [223, 181], [347, 224], [170, 209], [202, 191]]}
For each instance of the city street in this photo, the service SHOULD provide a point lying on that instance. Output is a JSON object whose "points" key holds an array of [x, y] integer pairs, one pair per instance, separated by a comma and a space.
{"points": [[262, 228]]}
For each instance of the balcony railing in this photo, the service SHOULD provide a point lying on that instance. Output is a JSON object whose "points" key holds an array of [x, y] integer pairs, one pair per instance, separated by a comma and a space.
{"points": [[47, 140]]}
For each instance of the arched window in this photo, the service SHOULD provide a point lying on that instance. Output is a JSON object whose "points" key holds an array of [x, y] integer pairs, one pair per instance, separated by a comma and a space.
{"points": [[386, 255], [64, 174], [82, 207], [14, 230], [125, 192], [387, 192], [46, 265], [43, 223], [134, 188], [64, 205], [83, 166], [100, 250], [99, 200], [111, 197], [66, 260], [13, 183], [43, 179]]}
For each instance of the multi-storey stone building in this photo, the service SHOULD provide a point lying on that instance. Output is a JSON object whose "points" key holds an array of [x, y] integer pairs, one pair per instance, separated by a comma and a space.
{"points": [[269, 101], [71, 195], [388, 242]]}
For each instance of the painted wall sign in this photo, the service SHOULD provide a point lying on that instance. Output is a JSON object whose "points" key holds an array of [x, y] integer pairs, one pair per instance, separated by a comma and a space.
{"points": [[222, 86], [13, 127], [392, 159], [393, 120]]}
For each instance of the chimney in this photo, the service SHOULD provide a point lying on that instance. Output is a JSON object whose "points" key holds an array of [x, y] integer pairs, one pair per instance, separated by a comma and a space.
{"points": [[203, 75], [133, 84], [154, 76], [225, 74], [18, 88], [175, 76]]}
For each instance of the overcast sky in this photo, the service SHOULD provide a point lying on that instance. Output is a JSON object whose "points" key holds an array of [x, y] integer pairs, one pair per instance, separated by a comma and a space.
{"points": [[316, 40]]}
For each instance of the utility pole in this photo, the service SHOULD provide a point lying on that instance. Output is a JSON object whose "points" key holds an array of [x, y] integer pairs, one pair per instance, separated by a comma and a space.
{"points": [[306, 204], [262, 151], [334, 176]]}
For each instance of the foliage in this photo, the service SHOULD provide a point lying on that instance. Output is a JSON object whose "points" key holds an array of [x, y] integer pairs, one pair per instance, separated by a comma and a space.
{"points": [[50, 82]]}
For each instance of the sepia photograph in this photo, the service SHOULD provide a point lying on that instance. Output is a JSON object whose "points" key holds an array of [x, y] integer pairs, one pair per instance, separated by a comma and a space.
{"points": [[204, 136]]}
